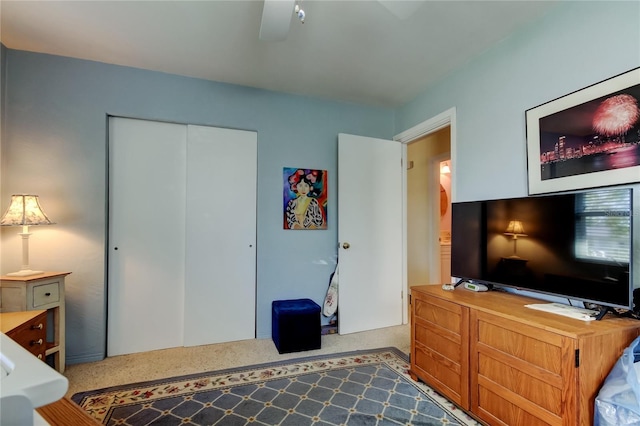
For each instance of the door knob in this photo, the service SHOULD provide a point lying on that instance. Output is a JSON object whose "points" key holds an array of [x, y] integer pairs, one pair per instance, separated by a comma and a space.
{"points": [[345, 245]]}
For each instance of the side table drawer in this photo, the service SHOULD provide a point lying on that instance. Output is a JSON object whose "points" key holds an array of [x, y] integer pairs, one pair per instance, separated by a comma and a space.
{"points": [[46, 294], [32, 335]]}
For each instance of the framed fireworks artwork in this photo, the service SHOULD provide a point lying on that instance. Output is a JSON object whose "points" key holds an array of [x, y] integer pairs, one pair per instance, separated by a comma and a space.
{"points": [[586, 139], [304, 198]]}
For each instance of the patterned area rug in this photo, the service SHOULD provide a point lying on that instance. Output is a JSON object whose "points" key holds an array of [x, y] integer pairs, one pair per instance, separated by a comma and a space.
{"points": [[355, 388]]}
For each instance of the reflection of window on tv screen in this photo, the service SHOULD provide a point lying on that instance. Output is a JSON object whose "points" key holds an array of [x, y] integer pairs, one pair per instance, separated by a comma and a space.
{"points": [[603, 226]]}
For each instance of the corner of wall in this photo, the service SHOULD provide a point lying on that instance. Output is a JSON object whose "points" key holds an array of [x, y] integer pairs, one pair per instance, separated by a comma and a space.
{"points": [[3, 94], [3, 84], [3, 91]]}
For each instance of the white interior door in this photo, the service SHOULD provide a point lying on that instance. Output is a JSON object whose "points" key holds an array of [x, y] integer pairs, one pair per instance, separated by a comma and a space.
{"points": [[147, 171], [220, 291], [370, 225]]}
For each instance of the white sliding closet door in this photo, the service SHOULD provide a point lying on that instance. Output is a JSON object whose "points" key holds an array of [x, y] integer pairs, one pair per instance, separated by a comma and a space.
{"points": [[221, 235], [182, 235], [147, 172]]}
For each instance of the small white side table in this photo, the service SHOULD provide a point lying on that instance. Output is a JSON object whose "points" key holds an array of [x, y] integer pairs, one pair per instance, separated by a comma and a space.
{"points": [[39, 292]]}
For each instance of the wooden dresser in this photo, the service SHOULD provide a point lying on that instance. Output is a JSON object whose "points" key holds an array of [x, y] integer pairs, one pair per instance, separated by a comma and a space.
{"points": [[506, 364]]}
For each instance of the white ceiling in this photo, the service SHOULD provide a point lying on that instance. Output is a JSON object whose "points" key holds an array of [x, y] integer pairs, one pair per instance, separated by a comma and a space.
{"points": [[355, 51]]}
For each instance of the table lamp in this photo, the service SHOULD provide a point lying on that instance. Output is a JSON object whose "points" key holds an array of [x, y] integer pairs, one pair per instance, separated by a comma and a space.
{"points": [[24, 211], [515, 229]]}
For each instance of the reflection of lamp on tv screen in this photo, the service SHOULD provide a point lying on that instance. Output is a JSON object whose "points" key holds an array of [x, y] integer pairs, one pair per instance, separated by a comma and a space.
{"points": [[577, 246], [515, 229]]}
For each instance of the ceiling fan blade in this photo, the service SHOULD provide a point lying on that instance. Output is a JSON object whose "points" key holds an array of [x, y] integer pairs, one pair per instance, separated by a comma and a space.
{"points": [[276, 19], [402, 8]]}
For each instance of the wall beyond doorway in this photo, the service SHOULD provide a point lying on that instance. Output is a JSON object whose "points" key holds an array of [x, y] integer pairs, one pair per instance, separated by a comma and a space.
{"points": [[424, 154]]}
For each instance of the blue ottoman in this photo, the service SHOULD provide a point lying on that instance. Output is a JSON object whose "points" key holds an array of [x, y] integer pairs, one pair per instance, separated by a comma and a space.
{"points": [[295, 325]]}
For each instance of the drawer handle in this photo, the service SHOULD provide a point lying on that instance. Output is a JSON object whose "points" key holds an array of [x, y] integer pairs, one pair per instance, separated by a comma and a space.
{"points": [[37, 327], [36, 342], [47, 294], [39, 356]]}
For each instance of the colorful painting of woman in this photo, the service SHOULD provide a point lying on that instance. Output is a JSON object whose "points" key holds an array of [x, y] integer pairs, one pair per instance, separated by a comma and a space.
{"points": [[305, 198]]}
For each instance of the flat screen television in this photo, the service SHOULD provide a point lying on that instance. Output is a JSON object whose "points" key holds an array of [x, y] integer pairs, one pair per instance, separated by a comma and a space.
{"points": [[576, 246]]}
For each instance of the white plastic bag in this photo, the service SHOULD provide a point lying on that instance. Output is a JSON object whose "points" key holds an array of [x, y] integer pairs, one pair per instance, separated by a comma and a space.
{"points": [[618, 402]]}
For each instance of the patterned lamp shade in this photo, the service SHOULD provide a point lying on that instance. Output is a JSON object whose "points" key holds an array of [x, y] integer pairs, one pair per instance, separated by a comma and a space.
{"points": [[24, 210]]}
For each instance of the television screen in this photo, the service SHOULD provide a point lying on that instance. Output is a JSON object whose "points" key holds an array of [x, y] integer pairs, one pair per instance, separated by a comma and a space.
{"points": [[575, 246]]}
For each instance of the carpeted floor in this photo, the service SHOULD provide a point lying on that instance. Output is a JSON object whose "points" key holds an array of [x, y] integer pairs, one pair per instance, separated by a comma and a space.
{"points": [[369, 387]]}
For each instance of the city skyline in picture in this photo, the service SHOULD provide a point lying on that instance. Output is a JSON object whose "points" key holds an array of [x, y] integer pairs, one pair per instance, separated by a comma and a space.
{"points": [[598, 135]]}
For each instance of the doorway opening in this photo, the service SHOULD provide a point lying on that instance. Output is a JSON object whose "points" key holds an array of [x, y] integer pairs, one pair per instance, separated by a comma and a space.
{"points": [[423, 253], [444, 201], [428, 210]]}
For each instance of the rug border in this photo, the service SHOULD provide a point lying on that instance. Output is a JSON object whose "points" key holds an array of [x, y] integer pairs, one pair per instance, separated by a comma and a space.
{"points": [[78, 397], [439, 400]]}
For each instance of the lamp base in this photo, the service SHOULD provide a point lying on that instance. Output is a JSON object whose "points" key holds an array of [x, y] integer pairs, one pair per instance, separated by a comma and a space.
{"points": [[23, 273]]}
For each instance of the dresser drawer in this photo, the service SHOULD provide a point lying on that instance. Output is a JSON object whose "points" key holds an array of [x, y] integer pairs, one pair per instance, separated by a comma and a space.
{"points": [[32, 335], [440, 313], [45, 294], [440, 346]]}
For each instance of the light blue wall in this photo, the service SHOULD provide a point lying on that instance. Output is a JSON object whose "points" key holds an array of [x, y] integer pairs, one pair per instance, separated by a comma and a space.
{"points": [[55, 146], [578, 44]]}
